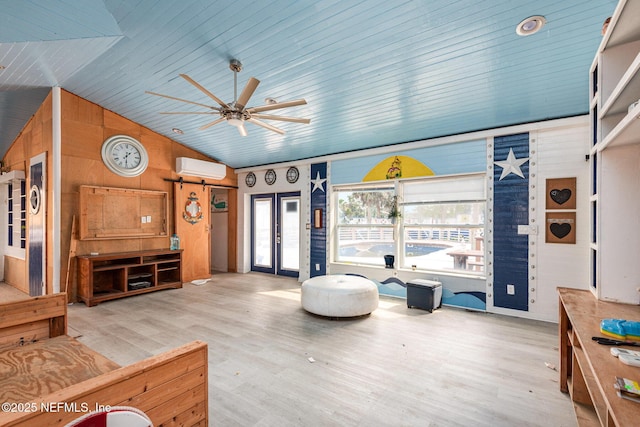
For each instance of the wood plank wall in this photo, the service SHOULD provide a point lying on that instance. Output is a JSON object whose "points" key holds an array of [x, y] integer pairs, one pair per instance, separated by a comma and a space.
{"points": [[34, 139], [84, 128]]}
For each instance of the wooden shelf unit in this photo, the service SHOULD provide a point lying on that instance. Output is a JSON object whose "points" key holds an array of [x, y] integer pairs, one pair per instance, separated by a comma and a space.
{"points": [[587, 369], [614, 152], [117, 275]]}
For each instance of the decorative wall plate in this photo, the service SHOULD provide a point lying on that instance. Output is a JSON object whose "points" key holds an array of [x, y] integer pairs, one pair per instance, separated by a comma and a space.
{"points": [[293, 174], [250, 179], [270, 177]]}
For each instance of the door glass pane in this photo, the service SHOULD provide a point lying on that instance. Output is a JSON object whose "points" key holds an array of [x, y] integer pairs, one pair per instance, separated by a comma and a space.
{"points": [[262, 228], [290, 234]]}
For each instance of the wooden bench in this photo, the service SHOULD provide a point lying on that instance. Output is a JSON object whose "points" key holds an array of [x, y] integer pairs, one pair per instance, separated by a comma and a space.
{"points": [[171, 388]]}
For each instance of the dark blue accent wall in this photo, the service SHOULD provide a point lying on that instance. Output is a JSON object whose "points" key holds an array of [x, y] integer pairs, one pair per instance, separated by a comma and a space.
{"points": [[510, 209], [318, 254]]}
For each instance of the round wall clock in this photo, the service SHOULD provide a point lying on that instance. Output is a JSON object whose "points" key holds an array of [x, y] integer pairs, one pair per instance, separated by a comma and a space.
{"points": [[250, 179], [270, 176], [292, 174], [124, 155]]}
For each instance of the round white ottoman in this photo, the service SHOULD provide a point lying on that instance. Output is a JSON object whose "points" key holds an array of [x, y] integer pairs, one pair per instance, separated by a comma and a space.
{"points": [[339, 295]]}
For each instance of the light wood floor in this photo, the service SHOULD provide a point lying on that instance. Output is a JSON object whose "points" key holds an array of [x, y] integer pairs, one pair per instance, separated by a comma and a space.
{"points": [[273, 364], [10, 294]]}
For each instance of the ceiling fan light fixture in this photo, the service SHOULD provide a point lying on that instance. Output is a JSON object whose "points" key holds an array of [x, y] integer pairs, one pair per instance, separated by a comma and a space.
{"points": [[235, 118], [530, 25], [235, 122]]}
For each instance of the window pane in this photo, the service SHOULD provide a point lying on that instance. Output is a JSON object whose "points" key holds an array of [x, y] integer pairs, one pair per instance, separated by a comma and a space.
{"points": [[364, 207], [263, 232], [444, 248], [290, 235], [365, 244]]}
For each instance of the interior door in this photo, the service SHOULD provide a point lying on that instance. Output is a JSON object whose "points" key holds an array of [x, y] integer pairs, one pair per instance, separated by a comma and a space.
{"points": [[263, 233], [192, 227], [275, 233], [36, 207], [288, 234]]}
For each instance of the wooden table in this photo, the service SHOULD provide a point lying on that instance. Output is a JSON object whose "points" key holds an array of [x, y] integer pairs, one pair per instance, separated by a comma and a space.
{"points": [[587, 369], [460, 258]]}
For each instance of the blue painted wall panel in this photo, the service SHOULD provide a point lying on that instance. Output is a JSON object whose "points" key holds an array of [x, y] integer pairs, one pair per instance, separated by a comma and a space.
{"points": [[511, 208], [318, 256], [461, 157]]}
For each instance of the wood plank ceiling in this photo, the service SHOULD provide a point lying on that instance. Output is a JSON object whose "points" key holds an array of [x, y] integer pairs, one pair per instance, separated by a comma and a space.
{"points": [[374, 72]]}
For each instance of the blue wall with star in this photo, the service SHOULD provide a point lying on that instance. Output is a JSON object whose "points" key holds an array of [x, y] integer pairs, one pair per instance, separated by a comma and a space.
{"points": [[318, 252], [510, 209]]}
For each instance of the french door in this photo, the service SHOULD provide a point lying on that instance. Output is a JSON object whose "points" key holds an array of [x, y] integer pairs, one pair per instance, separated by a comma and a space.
{"points": [[275, 233]]}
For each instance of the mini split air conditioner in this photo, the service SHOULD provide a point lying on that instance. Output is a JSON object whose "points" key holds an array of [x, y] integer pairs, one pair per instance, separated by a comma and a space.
{"points": [[200, 168]]}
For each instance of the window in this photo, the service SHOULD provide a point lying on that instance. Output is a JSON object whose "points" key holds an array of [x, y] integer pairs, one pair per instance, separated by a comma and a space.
{"points": [[17, 215], [443, 223], [364, 232], [440, 228]]}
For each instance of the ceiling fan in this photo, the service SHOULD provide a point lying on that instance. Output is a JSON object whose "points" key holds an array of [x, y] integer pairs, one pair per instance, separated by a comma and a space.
{"points": [[236, 113]]}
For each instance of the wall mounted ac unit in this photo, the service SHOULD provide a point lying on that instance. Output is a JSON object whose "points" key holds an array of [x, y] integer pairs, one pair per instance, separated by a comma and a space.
{"points": [[200, 168]]}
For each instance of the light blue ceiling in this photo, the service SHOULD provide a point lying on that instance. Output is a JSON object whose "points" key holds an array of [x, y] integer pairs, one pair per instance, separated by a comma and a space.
{"points": [[373, 72]]}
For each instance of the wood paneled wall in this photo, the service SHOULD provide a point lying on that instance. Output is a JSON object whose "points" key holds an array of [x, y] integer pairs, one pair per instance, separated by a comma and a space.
{"points": [[84, 128], [34, 139]]}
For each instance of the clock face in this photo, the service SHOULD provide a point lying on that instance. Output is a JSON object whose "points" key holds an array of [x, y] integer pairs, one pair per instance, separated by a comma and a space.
{"points": [[293, 174], [124, 155]]}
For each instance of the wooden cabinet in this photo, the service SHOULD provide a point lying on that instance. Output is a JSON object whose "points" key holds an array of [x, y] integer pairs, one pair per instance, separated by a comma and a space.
{"points": [[587, 369], [615, 158], [110, 276]]}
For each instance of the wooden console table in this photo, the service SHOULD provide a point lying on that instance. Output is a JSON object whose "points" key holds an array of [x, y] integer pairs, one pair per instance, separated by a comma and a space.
{"points": [[587, 369], [110, 276]]}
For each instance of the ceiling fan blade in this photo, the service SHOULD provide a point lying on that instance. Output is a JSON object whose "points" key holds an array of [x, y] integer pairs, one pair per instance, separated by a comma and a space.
{"points": [[183, 100], [215, 122], [281, 118], [205, 91], [276, 106], [248, 90], [266, 126], [242, 130], [187, 112]]}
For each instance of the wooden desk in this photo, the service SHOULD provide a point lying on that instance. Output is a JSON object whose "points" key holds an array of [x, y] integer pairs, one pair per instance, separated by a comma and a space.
{"points": [[587, 369], [460, 258]]}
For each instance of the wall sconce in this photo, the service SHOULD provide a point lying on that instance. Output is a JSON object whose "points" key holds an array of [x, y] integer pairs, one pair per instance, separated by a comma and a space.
{"points": [[317, 218]]}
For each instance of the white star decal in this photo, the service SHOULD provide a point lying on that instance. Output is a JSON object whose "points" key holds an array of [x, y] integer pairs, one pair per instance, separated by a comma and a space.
{"points": [[318, 183], [511, 165]]}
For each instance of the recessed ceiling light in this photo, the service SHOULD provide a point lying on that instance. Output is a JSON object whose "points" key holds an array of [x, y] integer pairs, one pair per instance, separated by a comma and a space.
{"points": [[178, 131], [270, 101], [531, 25]]}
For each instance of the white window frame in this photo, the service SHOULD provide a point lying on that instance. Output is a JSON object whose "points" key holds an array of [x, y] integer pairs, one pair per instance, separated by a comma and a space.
{"points": [[448, 189], [385, 228], [471, 189], [14, 250]]}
